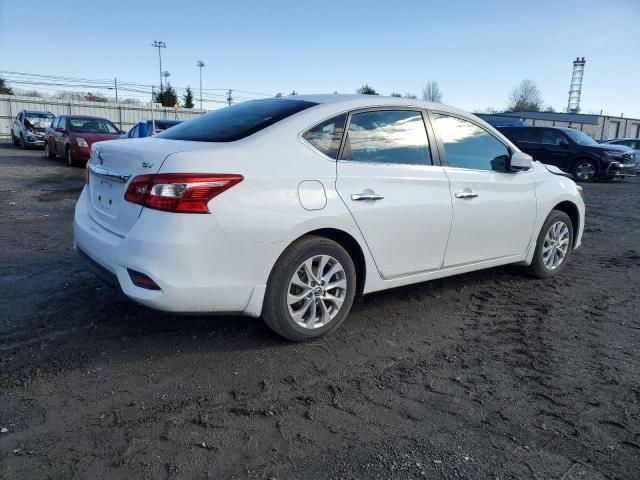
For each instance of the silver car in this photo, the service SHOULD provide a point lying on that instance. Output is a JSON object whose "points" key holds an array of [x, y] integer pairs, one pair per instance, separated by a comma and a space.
{"points": [[28, 128], [628, 142]]}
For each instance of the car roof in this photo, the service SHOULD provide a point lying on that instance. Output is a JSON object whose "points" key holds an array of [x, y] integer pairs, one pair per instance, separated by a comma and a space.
{"points": [[364, 101], [84, 117], [37, 111], [622, 138]]}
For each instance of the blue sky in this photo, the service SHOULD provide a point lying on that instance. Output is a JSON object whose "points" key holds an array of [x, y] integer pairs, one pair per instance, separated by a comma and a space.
{"points": [[477, 50]]}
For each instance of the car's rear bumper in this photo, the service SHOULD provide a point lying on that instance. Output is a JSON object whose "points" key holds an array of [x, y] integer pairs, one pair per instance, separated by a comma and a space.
{"points": [[196, 268]]}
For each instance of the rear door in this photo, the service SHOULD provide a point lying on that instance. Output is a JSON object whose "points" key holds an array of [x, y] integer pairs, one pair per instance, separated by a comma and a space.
{"points": [[494, 210], [397, 195]]}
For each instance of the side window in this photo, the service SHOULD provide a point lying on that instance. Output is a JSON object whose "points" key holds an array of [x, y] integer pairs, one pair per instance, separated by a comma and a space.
{"points": [[135, 132], [326, 137], [553, 137], [62, 123], [54, 124], [468, 146], [392, 136]]}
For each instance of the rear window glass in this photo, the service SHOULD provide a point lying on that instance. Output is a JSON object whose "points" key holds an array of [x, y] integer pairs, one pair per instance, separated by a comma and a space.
{"points": [[522, 134], [236, 122], [326, 136]]}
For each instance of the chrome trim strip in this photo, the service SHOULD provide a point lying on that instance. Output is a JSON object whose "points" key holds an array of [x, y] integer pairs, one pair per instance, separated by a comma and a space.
{"points": [[109, 174]]}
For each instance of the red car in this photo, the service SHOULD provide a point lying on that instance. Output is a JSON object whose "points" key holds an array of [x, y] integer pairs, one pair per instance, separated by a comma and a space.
{"points": [[73, 135]]}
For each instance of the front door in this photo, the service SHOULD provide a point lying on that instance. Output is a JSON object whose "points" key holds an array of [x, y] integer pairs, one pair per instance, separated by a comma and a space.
{"points": [[397, 196], [494, 209], [555, 149]]}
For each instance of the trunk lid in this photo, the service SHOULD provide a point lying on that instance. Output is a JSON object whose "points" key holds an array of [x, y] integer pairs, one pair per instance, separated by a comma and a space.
{"points": [[112, 166]]}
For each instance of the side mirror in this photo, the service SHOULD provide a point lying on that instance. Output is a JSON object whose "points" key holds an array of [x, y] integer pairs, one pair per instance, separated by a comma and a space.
{"points": [[521, 161]]}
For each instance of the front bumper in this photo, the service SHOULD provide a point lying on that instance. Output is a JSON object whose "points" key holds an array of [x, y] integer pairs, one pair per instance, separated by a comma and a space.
{"points": [[33, 141], [196, 267], [80, 153], [618, 169]]}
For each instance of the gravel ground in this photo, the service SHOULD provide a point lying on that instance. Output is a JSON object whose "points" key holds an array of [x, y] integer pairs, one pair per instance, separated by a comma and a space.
{"points": [[486, 375]]}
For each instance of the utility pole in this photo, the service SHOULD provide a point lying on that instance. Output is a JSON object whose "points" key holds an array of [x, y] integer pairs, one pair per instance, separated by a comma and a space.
{"points": [[159, 44], [229, 97], [115, 85], [200, 64]]}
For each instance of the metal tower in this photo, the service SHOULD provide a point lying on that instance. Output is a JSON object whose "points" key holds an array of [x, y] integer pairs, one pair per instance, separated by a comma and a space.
{"points": [[576, 85]]}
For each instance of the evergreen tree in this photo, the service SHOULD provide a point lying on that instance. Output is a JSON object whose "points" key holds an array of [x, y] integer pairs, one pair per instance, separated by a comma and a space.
{"points": [[167, 96], [4, 89], [366, 89], [187, 99]]}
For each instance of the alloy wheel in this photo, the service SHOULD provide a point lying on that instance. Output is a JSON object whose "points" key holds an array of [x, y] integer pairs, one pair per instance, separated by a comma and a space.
{"points": [[556, 245], [585, 171], [316, 291]]}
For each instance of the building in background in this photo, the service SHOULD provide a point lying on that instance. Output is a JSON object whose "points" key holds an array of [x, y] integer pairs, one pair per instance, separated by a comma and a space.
{"points": [[598, 127]]}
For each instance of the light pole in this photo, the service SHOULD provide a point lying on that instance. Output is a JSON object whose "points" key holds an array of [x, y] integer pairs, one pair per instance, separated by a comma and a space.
{"points": [[200, 64], [158, 44]]}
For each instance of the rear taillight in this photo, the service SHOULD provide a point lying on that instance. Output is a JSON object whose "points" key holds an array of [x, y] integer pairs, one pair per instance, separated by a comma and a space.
{"points": [[179, 192]]}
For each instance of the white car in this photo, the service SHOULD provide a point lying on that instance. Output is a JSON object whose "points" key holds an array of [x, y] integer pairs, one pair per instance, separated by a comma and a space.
{"points": [[290, 207]]}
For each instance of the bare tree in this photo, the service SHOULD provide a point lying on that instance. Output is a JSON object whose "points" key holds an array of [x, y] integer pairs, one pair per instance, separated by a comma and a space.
{"points": [[396, 94], [526, 97], [431, 92], [410, 96]]}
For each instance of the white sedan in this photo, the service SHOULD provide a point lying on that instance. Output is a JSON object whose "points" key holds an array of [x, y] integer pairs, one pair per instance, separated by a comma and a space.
{"points": [[288, 208]]}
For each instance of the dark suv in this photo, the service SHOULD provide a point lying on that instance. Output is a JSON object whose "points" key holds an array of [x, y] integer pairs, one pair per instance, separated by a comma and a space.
{"points": [[573, 151]]}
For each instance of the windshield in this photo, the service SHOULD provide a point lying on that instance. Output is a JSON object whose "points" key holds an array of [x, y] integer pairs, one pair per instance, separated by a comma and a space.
{"points": [[238, 121], [38, 116], [579, 137], [92, 125]]}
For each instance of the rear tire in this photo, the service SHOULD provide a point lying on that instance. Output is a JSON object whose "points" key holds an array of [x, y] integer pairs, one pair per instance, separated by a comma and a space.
{"points": [[585, 170], [310, 290], [553, 246]]}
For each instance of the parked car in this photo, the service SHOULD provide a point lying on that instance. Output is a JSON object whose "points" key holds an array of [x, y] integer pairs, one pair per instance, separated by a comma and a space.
{"points": [[299, 204], [628, 142], [71, 136], [28, 128], [145, 128], [573, 152]]}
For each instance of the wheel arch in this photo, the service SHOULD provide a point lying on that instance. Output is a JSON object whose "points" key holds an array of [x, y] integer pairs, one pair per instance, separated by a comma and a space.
{"points": [[353, 248], [571, 209], [586, 156]]}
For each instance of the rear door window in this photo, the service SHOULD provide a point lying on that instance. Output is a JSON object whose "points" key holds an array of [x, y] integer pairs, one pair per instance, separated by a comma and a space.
{"points": [[62, 123], [392, 136], [239, 121], [326, 137]]}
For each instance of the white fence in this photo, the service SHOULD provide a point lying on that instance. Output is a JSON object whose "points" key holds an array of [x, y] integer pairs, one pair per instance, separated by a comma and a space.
{"points": [[123, 115]]}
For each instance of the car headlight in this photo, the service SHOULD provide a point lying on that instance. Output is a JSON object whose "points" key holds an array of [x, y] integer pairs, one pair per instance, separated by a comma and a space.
{"points": [[82, 142], [614, 153]]}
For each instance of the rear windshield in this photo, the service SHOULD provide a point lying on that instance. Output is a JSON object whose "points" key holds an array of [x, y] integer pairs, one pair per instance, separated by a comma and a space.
{"points": [[238, 121], [92, 125]]}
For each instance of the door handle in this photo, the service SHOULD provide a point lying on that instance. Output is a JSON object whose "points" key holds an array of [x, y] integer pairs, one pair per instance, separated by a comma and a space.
{"points": [[366, 196], [466, 194]]}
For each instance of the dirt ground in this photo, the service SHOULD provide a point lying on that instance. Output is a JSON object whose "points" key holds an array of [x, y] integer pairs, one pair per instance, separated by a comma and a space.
{"points": [[490, 375]]}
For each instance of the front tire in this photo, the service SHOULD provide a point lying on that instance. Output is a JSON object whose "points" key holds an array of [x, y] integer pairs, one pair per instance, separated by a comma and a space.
{"points": [[310, 290], [68, 155], [14, 140], [553, 246], [23, 145], [585, 170], [47, 152]]}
